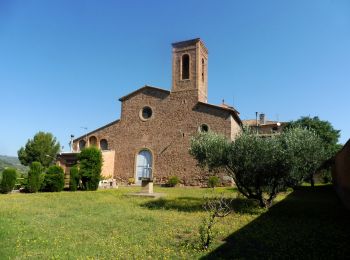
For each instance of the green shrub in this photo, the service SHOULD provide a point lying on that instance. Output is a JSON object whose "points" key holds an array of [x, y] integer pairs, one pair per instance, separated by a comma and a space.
{"points": [[213, 181], [35, 177], [173, 181], [8, 181], [74, 178], [90, 162], [54, 179]]}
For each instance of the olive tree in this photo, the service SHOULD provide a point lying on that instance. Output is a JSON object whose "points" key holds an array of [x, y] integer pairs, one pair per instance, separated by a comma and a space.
{"points": [[261, 167], [329, 137], [258, 165], [306, 153], [323, 129]]}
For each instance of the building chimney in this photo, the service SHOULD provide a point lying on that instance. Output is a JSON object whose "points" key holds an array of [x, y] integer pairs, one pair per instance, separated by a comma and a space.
{"points": [[262, 119], [71, 143]]}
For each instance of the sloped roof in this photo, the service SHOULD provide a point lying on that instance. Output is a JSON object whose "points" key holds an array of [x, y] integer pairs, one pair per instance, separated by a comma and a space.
{"points": [[142, 89], [231, 110], [223, 107], [183, 44], [229, 107], [98, 129]]}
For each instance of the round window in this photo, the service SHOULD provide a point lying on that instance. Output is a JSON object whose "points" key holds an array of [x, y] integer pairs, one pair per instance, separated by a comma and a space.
{"points": [[146, 113]]}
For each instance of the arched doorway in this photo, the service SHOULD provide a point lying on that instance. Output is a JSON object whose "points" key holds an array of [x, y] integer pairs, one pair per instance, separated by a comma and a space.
{"points": [[143, 166]]}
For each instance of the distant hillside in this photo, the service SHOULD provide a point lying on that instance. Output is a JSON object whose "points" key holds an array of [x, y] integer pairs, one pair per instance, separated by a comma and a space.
{"points": [[11, 161]]}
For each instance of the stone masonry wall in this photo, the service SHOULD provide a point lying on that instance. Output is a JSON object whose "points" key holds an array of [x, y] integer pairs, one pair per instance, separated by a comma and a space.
{"points": [[176, 118], [108, 163], [341, 174]]}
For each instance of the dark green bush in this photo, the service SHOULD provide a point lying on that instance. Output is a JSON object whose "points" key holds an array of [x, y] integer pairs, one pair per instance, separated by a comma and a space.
{"points": [[8, 181], [35, 177], [90, 163], [213, 181], [173, 181], [54, 179], [74, 178]]}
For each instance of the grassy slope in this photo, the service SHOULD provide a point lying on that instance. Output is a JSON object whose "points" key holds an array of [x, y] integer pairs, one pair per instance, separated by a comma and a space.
{"points": [[108, 224], [11, 161]]}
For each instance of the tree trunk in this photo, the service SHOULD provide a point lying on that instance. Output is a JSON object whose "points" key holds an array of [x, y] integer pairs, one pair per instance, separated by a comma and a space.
{"points": [[262, 203], [312, 181]]}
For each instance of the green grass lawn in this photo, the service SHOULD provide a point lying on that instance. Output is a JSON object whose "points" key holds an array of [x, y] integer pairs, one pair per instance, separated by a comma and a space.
{"points": [[108, 224]]}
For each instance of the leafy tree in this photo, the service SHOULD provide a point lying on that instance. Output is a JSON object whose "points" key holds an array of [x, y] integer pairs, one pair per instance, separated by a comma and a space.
{"points": [[90, 163], [54, 179], [35, 177], [262, 167], [74, 178], [8, 181], [257, 165], [42, 148], [210, 150], [306, 153], [323, 129]]}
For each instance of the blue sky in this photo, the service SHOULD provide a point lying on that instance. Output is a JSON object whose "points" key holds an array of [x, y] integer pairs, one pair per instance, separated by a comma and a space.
{"points": [[64, 64]]}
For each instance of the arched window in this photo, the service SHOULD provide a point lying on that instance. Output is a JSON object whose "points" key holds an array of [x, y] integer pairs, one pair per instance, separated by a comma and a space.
{"points": [[185, 66], [104, 144], [82, 144], [203, 69], [93, 141]]}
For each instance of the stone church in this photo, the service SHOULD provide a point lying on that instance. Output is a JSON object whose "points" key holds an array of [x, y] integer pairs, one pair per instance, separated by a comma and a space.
{"points": [[152, 137]]}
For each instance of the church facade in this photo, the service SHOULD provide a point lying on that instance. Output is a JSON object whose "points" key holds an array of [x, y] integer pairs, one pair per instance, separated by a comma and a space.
{"points": [[152, 137]]}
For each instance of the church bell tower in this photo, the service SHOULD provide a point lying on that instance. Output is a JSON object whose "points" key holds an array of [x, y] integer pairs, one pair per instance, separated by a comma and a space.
{"points": [[190, 70]]}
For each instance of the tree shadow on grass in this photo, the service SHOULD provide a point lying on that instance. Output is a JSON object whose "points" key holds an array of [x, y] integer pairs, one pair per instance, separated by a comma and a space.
{"points": [[195, 204], [308, 224]]}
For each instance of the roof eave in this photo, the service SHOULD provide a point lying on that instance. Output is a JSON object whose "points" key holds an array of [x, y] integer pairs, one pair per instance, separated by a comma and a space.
{"points": [[140, 89], [234, 113], [98, 129]]}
